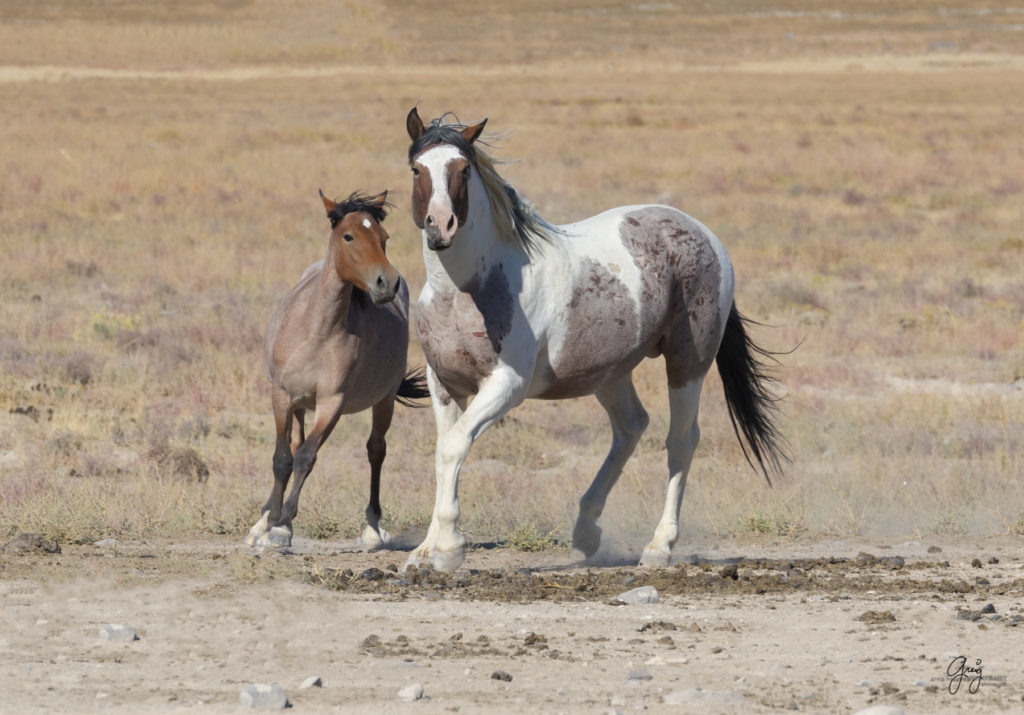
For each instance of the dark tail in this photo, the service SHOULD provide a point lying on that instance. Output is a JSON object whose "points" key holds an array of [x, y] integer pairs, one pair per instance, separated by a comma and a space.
{"points": [[413, 387], [752, 408]]}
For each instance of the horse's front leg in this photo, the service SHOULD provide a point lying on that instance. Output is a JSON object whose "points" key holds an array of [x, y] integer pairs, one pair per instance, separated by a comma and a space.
{"points": [[447, 411], [327, 413], [373, 536], [500, 392], [288, 426]]}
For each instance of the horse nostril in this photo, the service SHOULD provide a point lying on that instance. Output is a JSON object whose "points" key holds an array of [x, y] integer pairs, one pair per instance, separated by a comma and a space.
{"points": [[398, 284], [430, 220], [380, 281], [451, 222]]}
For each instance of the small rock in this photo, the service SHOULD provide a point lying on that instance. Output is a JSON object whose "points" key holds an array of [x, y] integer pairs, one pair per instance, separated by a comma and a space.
{"points": [[876, 617], [501, 675], [118, 632], [411, 693], [109, 544], [263, 696], [637, 676], [976, 563], [990, 608], [934, 549], [312, 681], [993, 560], [636, 596]]}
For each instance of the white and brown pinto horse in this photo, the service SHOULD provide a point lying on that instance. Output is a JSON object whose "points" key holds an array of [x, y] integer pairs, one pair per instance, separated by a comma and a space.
{"points": [[516, 308], [337, 345]]}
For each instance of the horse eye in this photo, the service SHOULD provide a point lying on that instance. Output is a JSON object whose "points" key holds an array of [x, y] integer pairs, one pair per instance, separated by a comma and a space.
{"points": [[415, 171], [349, 238], [465, 172]]}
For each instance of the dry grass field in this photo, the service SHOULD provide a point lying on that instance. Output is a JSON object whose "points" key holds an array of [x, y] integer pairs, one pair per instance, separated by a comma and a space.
{"points": [[864, 167]]}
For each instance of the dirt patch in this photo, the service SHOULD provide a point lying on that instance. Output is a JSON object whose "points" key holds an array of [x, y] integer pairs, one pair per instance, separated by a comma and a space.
{"points": [[751, 577], [808, 625]]}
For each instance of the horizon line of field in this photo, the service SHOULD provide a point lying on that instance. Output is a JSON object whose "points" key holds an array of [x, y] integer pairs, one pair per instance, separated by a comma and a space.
{"points": [[892, 63]]}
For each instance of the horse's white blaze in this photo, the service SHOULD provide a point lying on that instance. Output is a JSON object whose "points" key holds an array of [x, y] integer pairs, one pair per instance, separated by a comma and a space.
{"points": [[435, 161], [366, 222]]}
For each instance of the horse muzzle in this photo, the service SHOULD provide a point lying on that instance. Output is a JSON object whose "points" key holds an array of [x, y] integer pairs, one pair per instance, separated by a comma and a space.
{"points": [[384, 290], [435, 240]]}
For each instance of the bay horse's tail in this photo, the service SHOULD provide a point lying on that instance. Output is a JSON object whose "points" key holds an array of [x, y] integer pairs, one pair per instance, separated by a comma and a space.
{"points": [[752, 408], [413, 387]]}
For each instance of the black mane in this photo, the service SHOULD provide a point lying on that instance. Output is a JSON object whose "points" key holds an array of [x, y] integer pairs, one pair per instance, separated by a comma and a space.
{"points": [[357, 202], [439, 131]]}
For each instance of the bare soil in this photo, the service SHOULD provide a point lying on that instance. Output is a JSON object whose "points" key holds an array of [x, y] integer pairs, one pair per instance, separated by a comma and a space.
{"points": [[816, 626]]}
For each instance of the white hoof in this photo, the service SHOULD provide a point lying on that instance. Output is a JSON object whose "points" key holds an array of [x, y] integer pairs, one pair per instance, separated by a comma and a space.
{"points": [[654, 558], [373, 539], [415, 560], [278, 538], [258, 529], [448, 561]]}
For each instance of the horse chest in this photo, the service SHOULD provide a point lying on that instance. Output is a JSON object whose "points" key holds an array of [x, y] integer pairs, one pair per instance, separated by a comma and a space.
{"points": [[462, 332]]}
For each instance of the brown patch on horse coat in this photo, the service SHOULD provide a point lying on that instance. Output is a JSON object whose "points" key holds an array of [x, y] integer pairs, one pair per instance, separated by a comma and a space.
{"points": [[458, 190], [422, 188], [681, 280], [461, 333], [600, 339]]}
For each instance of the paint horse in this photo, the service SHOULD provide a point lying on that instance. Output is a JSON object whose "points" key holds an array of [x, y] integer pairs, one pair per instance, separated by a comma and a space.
{"points": [[517, 308], [337, 345]]}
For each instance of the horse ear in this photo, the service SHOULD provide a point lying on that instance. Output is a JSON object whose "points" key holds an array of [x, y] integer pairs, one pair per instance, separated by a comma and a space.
{"points": [[413, 124], [380, 200], [470, 134], [328, 204]]}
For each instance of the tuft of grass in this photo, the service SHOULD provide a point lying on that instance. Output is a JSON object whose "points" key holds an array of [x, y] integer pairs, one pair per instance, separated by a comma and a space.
{"points": [[769, 524], [527, 537], [949, 522]]}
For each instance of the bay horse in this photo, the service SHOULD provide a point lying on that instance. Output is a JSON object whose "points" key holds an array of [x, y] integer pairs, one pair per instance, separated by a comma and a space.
{"points": [[337, 345], [516, 308]]}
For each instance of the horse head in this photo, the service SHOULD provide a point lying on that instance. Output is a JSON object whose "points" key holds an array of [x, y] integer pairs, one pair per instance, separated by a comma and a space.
{"points": [[358, 244], [441, 157]]}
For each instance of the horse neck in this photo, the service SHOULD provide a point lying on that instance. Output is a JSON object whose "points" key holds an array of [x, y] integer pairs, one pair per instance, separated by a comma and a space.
{"points": [[476, 246], [327, 311]]}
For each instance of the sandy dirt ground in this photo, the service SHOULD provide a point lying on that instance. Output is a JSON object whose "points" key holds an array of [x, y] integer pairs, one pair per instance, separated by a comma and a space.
{"points": [[815, 626]]}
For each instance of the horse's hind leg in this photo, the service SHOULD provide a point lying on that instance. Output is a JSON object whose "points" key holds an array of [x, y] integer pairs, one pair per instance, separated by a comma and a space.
{"points": [[376, 449], [683, 436], [288, 426], [629, 420]]}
